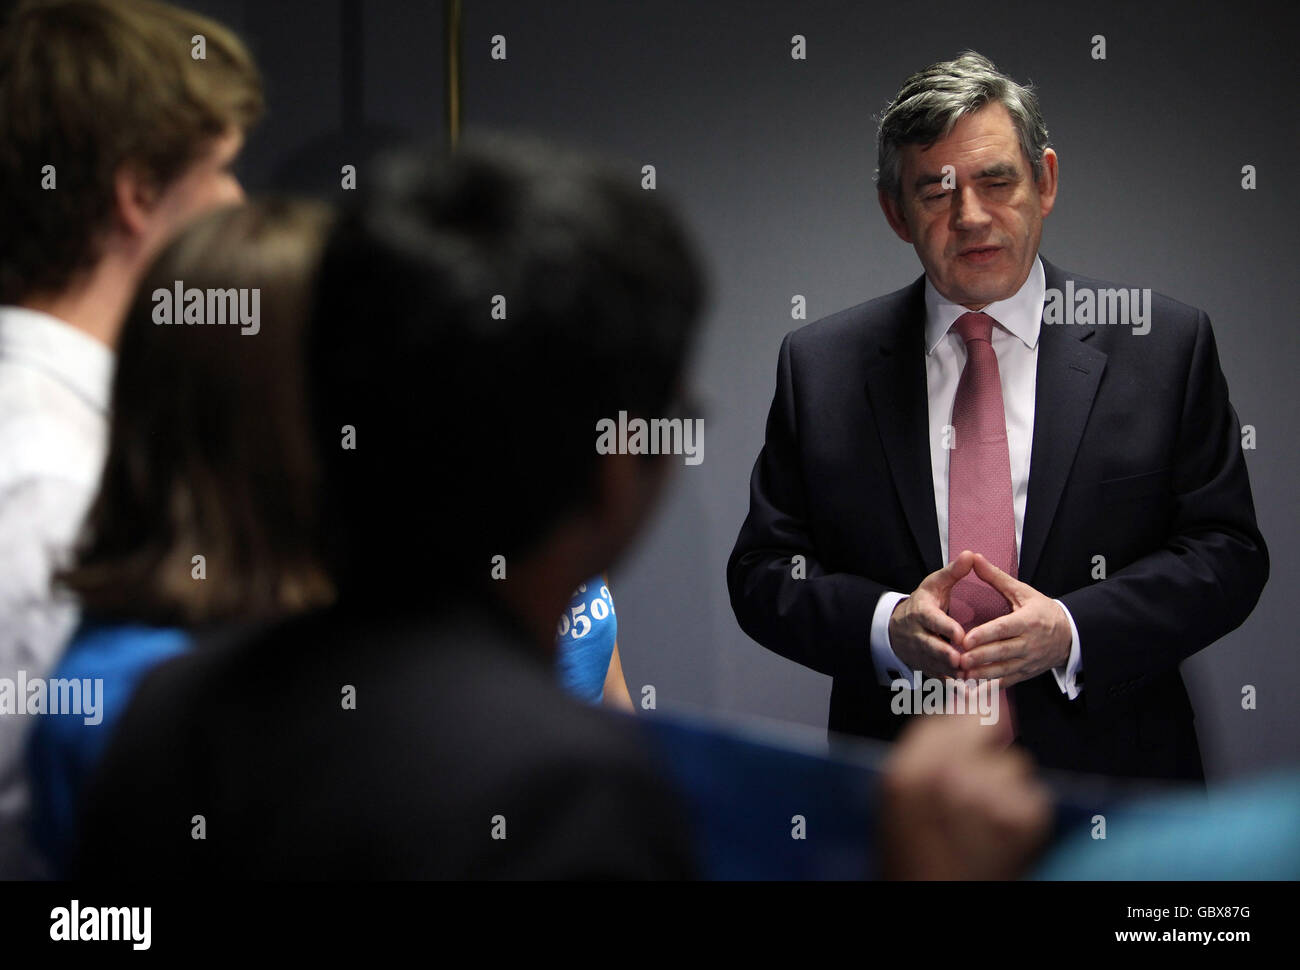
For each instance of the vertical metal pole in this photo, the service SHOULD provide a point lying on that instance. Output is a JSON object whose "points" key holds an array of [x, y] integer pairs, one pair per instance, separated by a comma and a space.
{"points": [[352, 99], [452, 9]]}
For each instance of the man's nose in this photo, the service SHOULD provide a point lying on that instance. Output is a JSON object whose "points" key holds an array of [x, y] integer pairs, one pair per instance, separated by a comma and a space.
{"points": [[967, 212]]}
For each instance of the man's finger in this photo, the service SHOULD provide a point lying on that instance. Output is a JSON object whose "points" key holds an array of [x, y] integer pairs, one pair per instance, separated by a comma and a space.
{"points": [[1005, 584], [943, 625], [942, 581], [942, 655], [999, 628], [1006, 672], [1015, 648]]}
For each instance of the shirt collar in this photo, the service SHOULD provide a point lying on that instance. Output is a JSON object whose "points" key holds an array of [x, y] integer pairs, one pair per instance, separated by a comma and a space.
{"points": [[76, 360], [1020, 314]]}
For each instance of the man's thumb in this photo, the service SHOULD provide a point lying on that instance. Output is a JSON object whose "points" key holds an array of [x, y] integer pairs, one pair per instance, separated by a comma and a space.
{"points": [[948, 577]]}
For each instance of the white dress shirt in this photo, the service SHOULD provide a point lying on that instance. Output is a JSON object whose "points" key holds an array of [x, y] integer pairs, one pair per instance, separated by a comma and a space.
{"points": [[54, 386], [1015, 342]]}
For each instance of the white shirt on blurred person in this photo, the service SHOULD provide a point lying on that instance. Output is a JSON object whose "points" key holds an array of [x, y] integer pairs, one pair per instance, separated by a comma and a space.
{"points": [[54, 388]]}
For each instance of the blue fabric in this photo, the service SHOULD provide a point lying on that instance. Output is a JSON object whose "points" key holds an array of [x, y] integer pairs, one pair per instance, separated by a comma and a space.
{"points": [[742, 793], [1248, 831], [63, 750], [584, 640], [760, 808]]}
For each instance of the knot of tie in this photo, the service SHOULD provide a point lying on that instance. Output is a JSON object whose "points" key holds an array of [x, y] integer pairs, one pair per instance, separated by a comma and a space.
{"points": [[974, 326]]}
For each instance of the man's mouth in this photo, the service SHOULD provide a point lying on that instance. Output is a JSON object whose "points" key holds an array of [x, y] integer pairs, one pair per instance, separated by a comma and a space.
{"points": [[979, 254]]}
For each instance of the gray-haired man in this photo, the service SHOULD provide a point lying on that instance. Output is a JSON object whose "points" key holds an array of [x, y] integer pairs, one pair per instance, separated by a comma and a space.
{"points": [[1086, 489]]}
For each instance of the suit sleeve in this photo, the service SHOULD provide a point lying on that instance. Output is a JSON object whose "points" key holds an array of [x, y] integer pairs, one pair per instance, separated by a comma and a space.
{"points": [[799, 609], [1146, 618]]}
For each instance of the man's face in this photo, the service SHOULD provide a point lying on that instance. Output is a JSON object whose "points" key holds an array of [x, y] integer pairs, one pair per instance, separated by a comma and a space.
{"points": [[978, 239], [207, 184]]}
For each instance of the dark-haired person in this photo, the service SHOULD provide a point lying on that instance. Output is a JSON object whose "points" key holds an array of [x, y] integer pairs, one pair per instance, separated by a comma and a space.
{"points": [[416, 729], [112, 136], [205, 516]]}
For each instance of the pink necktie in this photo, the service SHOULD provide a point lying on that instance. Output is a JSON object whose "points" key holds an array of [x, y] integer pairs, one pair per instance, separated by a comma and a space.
{"points": [[981, 513]]}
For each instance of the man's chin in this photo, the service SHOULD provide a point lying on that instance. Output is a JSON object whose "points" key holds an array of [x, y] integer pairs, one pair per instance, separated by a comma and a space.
{"points": [[981, 291]]}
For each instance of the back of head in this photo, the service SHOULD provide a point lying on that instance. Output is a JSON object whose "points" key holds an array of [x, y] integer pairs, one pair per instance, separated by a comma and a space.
{"points": [[478, 315], [89, 86], [209, 449]]}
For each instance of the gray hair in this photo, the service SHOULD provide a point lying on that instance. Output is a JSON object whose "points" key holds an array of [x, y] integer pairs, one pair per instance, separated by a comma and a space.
{"points": [[932, 101]]}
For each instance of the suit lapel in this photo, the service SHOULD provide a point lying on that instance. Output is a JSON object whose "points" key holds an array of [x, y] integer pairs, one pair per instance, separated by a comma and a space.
{"points": [[896, 389], [1069, 372]]}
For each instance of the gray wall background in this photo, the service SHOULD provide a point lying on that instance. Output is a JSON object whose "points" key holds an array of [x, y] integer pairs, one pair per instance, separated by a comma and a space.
{"points": [[771, 161]]}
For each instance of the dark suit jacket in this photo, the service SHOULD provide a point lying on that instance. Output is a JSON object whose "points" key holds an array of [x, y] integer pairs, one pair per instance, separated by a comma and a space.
{"points": [[457, 721], [1136, 457]]}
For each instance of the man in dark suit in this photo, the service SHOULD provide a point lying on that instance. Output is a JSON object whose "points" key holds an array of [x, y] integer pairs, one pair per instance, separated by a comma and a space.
{"points": [[416, 729], [1082, 476]]}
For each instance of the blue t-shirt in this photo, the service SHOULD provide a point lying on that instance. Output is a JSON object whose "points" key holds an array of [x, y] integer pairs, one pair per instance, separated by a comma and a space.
{"points": [[63, 750], [584, 640]]}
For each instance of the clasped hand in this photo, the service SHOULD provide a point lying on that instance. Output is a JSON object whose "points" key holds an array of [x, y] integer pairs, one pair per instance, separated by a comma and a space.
{"points": [[1033, 638]]}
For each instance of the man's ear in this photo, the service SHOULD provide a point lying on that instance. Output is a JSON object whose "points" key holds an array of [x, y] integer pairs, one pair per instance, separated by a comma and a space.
{"points": [[893, 211], [1048, 183], [136, 196]]}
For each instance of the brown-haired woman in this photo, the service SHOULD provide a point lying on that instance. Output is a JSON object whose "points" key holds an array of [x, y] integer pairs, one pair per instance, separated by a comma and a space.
{"points": [[205, 515]]}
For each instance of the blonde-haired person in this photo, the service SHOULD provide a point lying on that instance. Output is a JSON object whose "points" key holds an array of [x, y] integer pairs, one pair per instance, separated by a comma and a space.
{"points": [[205, 516], [112, 136]]}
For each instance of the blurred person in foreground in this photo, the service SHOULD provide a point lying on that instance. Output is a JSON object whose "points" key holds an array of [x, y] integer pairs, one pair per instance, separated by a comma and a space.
{"points": [[112, 136], [205, 515], [417, 728]]}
